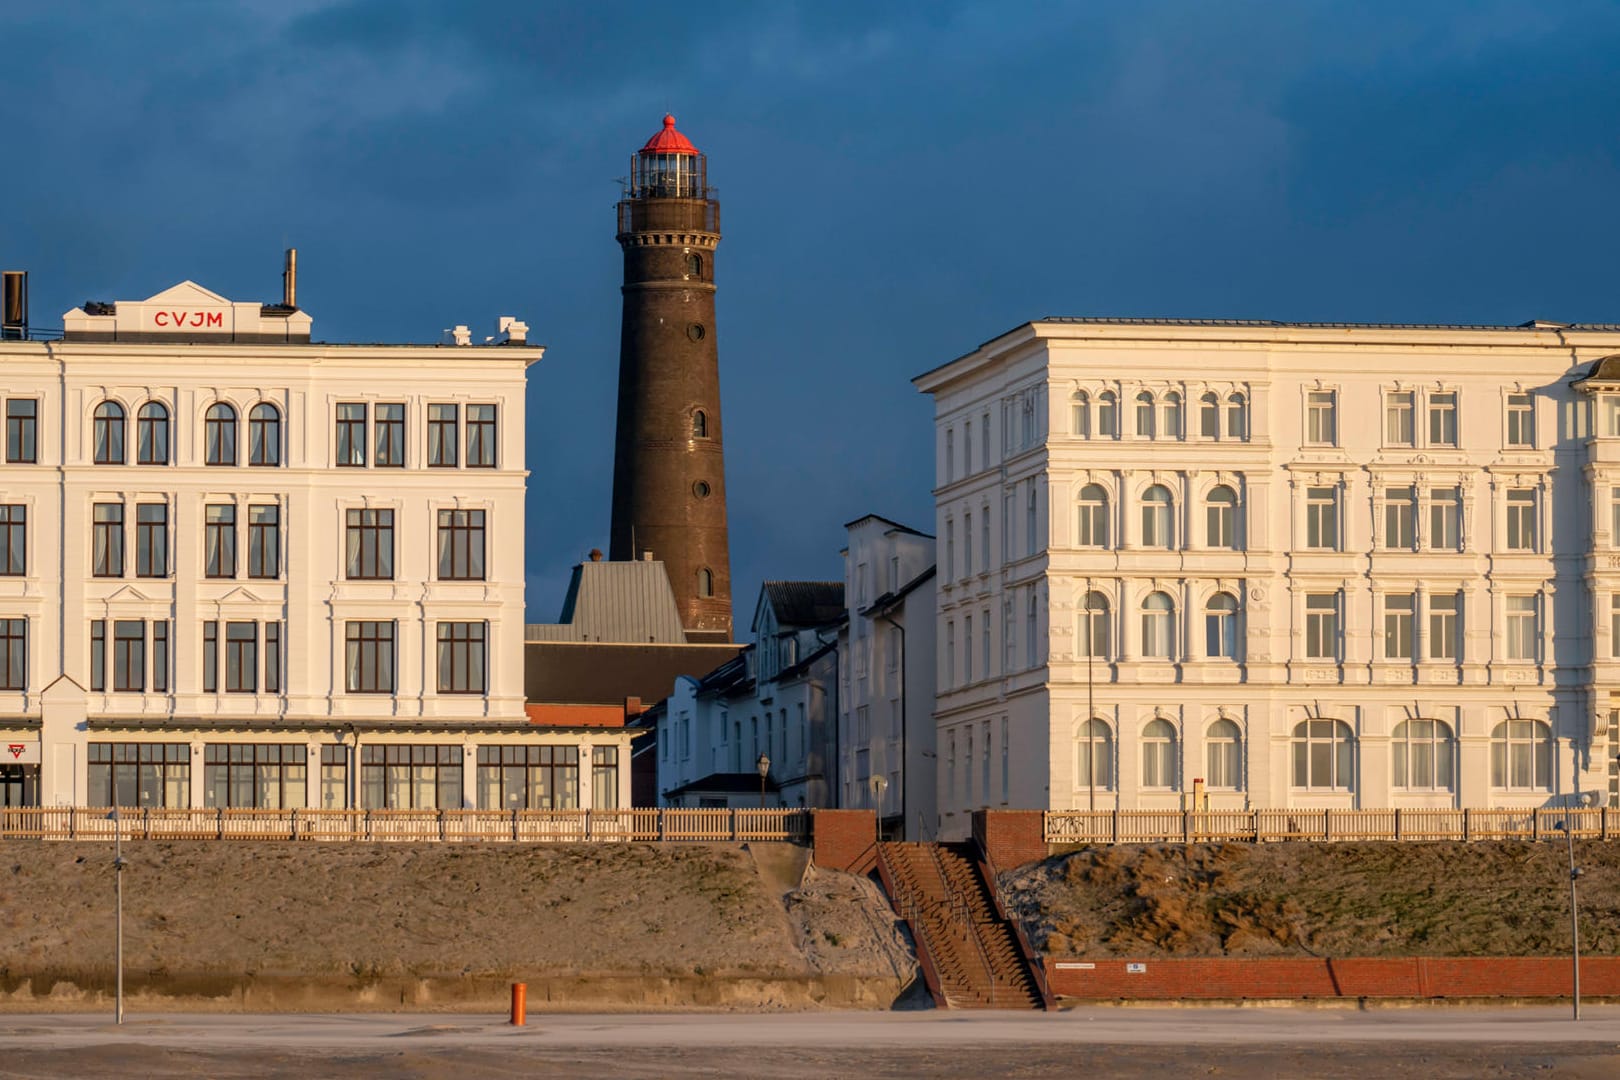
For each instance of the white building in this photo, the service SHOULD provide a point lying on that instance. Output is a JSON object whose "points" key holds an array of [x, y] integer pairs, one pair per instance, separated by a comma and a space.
{"points": [[1306, 565], [241, 569]]}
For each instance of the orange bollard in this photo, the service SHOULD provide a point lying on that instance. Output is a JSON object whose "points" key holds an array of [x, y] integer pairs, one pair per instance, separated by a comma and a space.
{"points": [[520, 1003]]}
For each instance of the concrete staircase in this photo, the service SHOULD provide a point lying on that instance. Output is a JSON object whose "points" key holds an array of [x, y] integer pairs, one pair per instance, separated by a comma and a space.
{"points": [[971, 956]]}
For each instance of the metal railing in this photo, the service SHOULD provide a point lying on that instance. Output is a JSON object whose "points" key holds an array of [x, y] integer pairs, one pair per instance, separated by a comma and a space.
{"points": [[407, 826], [1176, 826]]}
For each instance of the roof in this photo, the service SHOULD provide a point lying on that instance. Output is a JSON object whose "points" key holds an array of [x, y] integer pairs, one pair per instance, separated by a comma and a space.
{"points": [[805, 603], [669, 141], [889, 599], [616, 602], [889, 522], [605, 673], [1605, 370]]}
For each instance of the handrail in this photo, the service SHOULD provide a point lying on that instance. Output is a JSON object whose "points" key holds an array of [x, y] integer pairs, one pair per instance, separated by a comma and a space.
{"points": [[965, 910]]}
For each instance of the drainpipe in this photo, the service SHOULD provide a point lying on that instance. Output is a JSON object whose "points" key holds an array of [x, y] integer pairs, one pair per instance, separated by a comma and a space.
{"points": [[905, 763]]}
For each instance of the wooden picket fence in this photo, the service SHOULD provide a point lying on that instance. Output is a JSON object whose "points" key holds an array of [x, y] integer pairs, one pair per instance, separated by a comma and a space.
{"points": [[1259, 826], [412, 826]]}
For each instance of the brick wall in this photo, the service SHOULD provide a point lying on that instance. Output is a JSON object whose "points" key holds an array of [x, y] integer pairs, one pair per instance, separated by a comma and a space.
{"points": [[844, 840], [1012, 838], [1230, 978]]}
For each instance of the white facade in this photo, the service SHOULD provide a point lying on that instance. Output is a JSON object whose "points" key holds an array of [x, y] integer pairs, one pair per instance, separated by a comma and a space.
{"points": [[232, 537], [886, 677], [1322, 566]]}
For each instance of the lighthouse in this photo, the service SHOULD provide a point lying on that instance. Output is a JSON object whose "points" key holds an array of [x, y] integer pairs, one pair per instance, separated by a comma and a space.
{"points": [[669, 483]]}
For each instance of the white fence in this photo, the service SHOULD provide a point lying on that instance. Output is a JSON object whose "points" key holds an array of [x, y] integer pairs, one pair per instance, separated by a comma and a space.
{"points": [[1175, 826]]}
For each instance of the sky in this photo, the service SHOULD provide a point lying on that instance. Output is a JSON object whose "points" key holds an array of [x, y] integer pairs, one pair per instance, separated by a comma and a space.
{"points": [[899, 183]]}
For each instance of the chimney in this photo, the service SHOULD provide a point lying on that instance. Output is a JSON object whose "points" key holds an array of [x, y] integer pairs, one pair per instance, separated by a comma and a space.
{"points": [[289, 280], [510, 331], [646, 556], [459, 335], [13, 305], [596, 554]]}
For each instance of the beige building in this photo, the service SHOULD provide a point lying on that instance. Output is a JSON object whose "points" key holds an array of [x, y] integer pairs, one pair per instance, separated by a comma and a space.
{"points": [[1281, 564], [238, 568]]}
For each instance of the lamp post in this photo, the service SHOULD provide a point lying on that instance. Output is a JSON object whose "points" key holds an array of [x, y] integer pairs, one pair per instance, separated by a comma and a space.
{"points": [[118, 917], [764, 767], [879, 785], [1568, 827]]}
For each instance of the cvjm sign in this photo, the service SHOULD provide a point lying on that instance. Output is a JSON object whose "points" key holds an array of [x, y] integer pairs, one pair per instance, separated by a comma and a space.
{"points": [[183, 319], [19, 753]]}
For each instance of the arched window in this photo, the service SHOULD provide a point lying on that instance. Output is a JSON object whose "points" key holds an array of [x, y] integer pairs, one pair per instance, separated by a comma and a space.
{"points": [[1221, 518], [1080, 414], [1092, 530], [152, 435], [1521, 756], [109, 433], [1144, 414], [1107, 415], [1158, 626], [1237, 417], [219, 435], [1093, 756], [1170, 415], [694, 265], [1209, 416], [264, 435], [1223, 756], [1159, 755], [1324, 755], [1156, 517], [1221, 626], [1424, 755], [705, 582], [700, 424], [1093, 628]]}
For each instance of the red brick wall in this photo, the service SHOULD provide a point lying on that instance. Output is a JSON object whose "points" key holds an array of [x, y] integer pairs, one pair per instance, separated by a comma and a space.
{"points": [[1230, 978], [844, 839], [1012, 838]]}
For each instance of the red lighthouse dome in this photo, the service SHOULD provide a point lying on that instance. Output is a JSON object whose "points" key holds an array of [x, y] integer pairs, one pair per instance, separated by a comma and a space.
{"points": [[669, 141]]}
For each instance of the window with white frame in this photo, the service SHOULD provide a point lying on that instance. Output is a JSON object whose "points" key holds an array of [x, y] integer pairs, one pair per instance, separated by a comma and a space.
{"points": [[1614, 624], [1157, 517], [1107, 415], [1223, 756], [1158, 626], [1611, 415], [1322, 626], [1159, 755], [1321, 418], [1614, 517], [1521, 519], [1424, 755], [1445, 519], [967, 647], [1521, 421], [1080, 414], [1092, 639], [1094, 755], [1522, 626], [967, 448], [1399, 429], [1029, 518], [950, 552], [1237, 416], [1209, 416], [1221, 627], [1522, 755], [1400, 626], [950, 454], [1443, 419], [1170, 415], [967, 542], [1144, 414], [1322, 518], [1092, 526], [950, 654], [1323, 755], [1031, 643], [1400, 518], [1445, 627], [1220, 517]]}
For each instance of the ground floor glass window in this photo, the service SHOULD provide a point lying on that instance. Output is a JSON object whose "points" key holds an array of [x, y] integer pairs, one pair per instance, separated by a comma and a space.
{"points": [[269, 776], [528, 777], [410, 777], [139, 774]]}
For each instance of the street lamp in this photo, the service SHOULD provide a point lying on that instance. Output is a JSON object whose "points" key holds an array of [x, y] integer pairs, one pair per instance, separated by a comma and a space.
{"points": [[1575, 872], [118, 924], [764, 767], [879, 785]]}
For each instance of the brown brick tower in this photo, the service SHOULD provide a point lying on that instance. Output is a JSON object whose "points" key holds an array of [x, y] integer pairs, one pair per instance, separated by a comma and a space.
{"points": [[669, 482]]}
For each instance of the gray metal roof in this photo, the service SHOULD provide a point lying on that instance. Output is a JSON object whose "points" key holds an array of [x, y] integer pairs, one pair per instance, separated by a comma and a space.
{"points": [[627, 602]]}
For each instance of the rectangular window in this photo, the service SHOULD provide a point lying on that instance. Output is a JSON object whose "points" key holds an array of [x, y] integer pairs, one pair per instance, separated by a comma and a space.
{"points": [[272, 658], [22, 431], [1400, 618], [1029, 519], [369, 544], [242, 657], [264, 541], [351, 434], [604, 777], [369, 659], [129, 656], [160, 656], [13, 540], [1321, 421], [266, 776], [1521, 421], [388, 431], [443, 435], [967, 648], [1521, 519], [1444, 627], [410, 777], [1398, 426], [461, 657], [1445, 519], [1322, 626], [950, 655], [1400, 518], [1031, 655], [334, 778], [480, 436], [1322, 518], [967, 544], [967, 448], [98, 654], [219, 541], [1443, 419], [1522, 629], [152, 540], [950, 454], [950, 553], [13, 654], [210, 657], [107, 553], [529, 777], [139, 774]]}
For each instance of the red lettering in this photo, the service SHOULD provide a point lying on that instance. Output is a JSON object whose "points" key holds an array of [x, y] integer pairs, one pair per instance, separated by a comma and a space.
{"points": [[159, 318], [216, 318]]}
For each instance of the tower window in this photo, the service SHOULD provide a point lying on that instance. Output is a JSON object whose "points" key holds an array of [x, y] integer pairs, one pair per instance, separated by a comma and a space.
{"points": [[694, 266], [705, 582], [701, 489], [696, 332], [700, 424]]}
